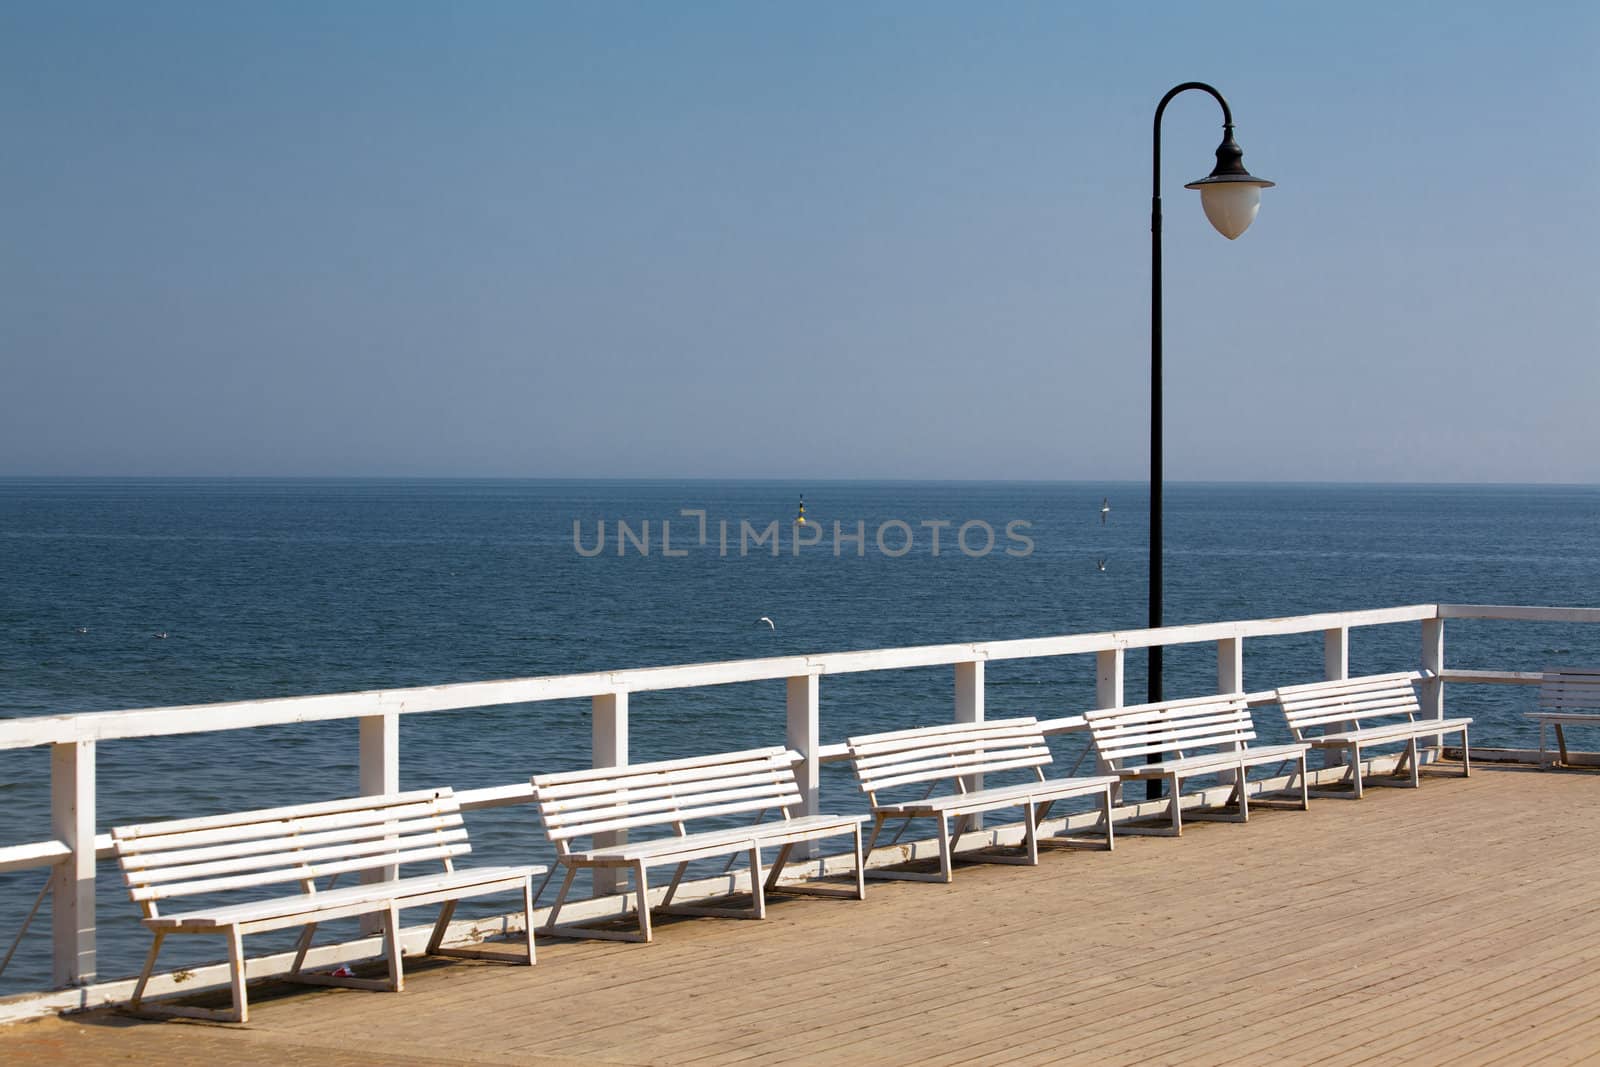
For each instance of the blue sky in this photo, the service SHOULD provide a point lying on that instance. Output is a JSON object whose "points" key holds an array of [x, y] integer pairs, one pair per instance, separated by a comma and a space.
{"points": [[794, 240]]}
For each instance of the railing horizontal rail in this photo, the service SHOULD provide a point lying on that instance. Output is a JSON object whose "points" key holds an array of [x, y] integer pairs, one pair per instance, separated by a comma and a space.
{"points": [[238, 715]]}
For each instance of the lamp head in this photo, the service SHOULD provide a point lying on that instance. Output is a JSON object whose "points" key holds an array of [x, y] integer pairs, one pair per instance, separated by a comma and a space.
{"points": [[1230, 195]]}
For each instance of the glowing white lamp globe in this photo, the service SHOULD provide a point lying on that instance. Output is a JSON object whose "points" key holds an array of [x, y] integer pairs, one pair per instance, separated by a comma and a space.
{"points": [[1230, 195]]}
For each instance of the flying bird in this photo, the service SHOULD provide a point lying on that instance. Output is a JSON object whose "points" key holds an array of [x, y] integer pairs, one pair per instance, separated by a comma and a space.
{"points": [[1101, 564], [768, 621], [1105, 509]]}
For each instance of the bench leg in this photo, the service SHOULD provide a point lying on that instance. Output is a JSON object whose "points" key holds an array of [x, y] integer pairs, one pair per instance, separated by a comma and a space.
{"points": [[1355, 767], [527, 916], [446, 913], [1244, 795], [641, 886], [1466, 755], [391, 948], [861, 866], [149, 966], [1030, 832], [1416, 763], [1175, 809], [1542, 726], [1305, 784], [1111, 842], [946, 847], [878, 822], [1561, 741], [677, 877], [561, 898], [757, 890], [778, 865], [241, 1004]]}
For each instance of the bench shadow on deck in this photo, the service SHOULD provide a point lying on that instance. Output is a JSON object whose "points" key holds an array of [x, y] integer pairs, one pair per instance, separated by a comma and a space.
{"points": [[1452, 923]]}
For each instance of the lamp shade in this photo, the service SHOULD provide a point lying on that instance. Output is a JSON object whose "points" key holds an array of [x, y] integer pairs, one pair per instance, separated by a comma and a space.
{"points": [[1230, 195], [1231, 206]]}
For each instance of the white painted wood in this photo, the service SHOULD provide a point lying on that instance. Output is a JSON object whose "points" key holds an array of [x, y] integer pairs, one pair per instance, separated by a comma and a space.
{"points": [[379, 771], [1568, 696], [1374, 709], [1431, 697], [209, 855], [803, 732], [1188, 737], [609, 748], [1109, 665], [679, 794], [1336, 652], [954, 755], [72, 903], [969, 709]]}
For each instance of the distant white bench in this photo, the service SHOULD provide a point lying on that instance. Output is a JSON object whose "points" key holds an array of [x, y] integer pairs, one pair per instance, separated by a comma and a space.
{"points": [[1350, 713], [954, 754], [247, 850], [1189, 738], [676, 793], [1568, 696]]}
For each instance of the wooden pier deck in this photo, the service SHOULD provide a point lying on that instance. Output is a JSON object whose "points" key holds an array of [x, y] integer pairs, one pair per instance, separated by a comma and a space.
{"points": [[1458, 923]]}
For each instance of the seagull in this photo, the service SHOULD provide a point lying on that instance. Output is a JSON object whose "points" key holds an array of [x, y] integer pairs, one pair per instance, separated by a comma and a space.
{"points": [[1105, 509], [768, 621], [1101, 564], [82, 630], [160, 635]]}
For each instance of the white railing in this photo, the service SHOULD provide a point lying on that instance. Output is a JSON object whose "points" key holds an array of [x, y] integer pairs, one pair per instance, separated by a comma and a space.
{"points": [[76, 845]]}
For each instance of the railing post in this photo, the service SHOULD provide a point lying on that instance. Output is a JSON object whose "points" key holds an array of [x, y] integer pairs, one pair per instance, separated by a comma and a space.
{"points": [[1335, 666], [1336, 653], [379, 773], [72, 820], [804, 735], [1431, 696], [1230, 679], [969, 708], [609, 734], [1109, 693], [1108, 681]]}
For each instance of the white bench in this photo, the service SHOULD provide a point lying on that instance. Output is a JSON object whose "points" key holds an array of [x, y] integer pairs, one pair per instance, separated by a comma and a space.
{"points": [[1568, 696], [1189, 738], [599, 803], [223, 854], [1377, 709], [956, 754]]}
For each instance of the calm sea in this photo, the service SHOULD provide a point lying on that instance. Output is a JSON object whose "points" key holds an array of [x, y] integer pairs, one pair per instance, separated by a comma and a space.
{"points": [[272, 588]]}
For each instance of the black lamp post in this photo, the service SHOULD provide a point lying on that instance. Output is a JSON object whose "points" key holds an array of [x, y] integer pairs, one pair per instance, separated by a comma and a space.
{"points": [[1230, 196]]}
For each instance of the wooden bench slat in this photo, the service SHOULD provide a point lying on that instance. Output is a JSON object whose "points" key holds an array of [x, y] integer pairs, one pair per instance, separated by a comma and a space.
{"points": [[776, 793], [262, 829], [602, 799], [976, 744], [959, 769], [634, 822], [291, 857], [551, 785], [283, 814], [143, 891], [627, 778], [939, 737], [153, 861]]}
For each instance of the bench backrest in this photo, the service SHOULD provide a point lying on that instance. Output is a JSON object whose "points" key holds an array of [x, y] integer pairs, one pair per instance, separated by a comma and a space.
{"points": [[1321, 707], [1170, 728], [1570, 689], [670, 792], [217, 853], [951, 752]]}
